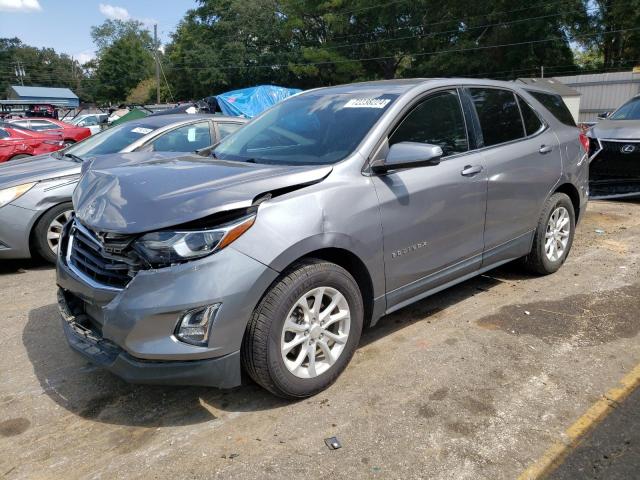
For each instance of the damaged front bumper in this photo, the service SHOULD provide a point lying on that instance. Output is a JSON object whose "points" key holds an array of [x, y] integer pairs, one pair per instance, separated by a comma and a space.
{"points": [[614, 169], [131, 330], [222, 372]]}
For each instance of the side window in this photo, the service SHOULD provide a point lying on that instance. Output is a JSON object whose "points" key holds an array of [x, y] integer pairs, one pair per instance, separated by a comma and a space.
{"points": [[3, 133], [184, 139], [225, 129], [499, 115], [21, 123], [88, 121], [555, 105], [532, 122], [438, 120]]}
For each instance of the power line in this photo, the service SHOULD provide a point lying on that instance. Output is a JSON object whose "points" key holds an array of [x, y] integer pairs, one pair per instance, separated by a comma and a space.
{"points": [[408, 54]]}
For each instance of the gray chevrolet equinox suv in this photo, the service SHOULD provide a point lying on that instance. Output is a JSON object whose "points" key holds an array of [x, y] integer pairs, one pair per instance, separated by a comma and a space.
{"points": [[330, 210]]}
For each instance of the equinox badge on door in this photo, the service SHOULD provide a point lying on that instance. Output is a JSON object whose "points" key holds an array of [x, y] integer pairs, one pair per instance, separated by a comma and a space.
{"points": [[409, 249]]}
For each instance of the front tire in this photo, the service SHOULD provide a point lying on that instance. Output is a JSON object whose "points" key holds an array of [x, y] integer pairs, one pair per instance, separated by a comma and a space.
{"points": [[305, 330], [553, 237], [46, 235]]}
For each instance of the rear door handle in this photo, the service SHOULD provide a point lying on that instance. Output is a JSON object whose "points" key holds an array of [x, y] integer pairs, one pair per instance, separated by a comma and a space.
{"points": [[470, 170], [544, 149]]}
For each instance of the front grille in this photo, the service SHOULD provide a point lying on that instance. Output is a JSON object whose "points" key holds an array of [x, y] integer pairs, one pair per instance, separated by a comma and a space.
{"points": [[86, 254], [612, 163], [616, 147]]}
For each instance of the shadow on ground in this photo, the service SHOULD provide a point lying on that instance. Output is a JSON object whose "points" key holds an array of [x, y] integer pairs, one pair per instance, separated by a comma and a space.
{"points": [[92, 393], [23, 265]]}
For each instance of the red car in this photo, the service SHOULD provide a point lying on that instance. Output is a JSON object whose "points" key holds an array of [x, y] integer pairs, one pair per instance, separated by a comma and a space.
{"points": [[17, 142], [70, 133]]}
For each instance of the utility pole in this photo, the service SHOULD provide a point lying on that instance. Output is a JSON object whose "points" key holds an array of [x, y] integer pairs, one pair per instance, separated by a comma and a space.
{"points": [[19, 71], [155, 54]]}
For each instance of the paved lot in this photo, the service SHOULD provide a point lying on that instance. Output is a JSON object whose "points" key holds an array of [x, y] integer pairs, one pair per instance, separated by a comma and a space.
{"points": [[474, 383]]}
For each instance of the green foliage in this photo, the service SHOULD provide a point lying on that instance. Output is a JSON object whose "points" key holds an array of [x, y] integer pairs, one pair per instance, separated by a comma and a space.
{"points": [[227, 44], [42, 66], [125, 58]]}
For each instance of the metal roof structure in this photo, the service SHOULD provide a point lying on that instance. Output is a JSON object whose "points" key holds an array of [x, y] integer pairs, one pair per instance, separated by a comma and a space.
{"points": [[44, 95], [603, 92]]}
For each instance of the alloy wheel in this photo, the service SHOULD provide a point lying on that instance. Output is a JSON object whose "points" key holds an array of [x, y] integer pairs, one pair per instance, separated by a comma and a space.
{"points": [[557, 234], [315, 332], [54, 231]]}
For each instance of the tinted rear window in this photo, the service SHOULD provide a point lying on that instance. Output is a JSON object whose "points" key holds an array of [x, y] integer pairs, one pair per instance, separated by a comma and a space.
{"points": [[499, 115], [555, 105]]}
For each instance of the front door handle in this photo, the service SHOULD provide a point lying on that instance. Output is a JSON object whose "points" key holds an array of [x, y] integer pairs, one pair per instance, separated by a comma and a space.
{"points": [[544, 149], [470, 170]]}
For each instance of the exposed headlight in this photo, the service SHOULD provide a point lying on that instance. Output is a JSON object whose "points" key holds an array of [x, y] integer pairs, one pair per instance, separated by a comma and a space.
{"points": [[166, 247], [10, 194]]}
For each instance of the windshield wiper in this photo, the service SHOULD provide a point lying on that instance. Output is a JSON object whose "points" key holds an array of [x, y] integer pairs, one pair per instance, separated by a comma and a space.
{"points": [[74, 157]]}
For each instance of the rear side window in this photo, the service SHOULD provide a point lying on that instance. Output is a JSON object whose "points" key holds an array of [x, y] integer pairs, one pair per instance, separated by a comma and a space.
{"points": [[225, 129], [499, 115], [188, 138], [555, 105], [438, 120], [39, 125], [532, 122], [3, 133]]}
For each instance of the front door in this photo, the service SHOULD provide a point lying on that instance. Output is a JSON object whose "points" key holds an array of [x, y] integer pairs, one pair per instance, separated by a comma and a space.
{"points": [[432, 217]]}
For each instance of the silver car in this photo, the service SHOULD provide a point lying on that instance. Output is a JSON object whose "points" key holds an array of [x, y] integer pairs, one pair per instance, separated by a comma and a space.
{"points": [[614, 152], [330, 210], [35, 192]]}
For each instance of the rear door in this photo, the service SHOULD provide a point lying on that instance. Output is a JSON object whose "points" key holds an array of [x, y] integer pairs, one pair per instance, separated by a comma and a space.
{"points": [[523, 163], [432, 217]]}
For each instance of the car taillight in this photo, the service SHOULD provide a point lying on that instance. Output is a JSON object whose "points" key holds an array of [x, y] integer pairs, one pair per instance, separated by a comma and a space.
{"points": [[584, 140]]}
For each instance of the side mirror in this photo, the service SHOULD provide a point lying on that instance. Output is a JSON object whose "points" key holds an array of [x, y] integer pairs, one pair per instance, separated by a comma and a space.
{"points": [[409, 155], [604, 115]]}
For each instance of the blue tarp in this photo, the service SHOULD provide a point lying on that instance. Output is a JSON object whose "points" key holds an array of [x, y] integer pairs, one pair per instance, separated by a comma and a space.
{"points": [[249, 102]]}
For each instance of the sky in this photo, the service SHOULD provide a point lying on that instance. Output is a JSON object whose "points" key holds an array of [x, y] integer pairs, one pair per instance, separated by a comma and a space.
{"points": [[65, 25]]}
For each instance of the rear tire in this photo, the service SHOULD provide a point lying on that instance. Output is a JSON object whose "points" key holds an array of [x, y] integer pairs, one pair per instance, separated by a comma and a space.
{"points": [[67, 143], [553, 236], [46, 234], [325, 337]]}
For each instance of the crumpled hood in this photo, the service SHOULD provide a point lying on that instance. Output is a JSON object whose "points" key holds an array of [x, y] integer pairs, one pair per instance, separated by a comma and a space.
{"points": [[35, 169], [617, 129], [141, 192]]}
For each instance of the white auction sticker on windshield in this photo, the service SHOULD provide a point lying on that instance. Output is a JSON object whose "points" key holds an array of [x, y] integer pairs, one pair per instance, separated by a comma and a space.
{"points": [[367, 103], [142, 130]]}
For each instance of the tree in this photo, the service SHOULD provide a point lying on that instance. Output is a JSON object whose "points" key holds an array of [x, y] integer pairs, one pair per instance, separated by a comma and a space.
{"points": [[616, 38], [42, 67], [125, 58], [143, 92]]}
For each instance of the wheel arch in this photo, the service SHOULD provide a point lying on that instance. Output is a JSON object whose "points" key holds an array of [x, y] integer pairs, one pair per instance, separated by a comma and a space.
{"points": [[34, 224], [572, 192]]}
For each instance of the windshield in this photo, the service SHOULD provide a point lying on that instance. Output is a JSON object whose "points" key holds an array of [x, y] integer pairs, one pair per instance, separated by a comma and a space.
{"points": [[317, 128], [628, 111], [110, 141]]}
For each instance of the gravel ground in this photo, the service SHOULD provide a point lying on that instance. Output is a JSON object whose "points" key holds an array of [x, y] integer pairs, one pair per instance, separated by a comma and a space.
{"points": [[473, 383]]}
